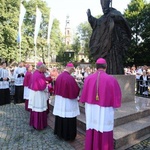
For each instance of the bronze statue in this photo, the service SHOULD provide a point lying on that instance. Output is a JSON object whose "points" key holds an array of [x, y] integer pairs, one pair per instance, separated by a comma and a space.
{"points": [[110, 38]]}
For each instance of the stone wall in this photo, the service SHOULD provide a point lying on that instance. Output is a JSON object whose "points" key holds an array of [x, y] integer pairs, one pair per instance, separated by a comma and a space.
{"points": [[127, 84]]}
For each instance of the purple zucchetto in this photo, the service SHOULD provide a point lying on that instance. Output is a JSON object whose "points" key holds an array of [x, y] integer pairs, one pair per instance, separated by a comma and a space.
{"points": [[101, 61], [70, 65], [27, 66], [39, 64]]}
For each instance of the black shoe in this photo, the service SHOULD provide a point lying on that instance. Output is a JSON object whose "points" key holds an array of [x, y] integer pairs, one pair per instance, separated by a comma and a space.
{"points": [[35, 128]]}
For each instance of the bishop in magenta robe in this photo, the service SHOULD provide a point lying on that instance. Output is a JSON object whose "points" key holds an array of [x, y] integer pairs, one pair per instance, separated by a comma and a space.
{"points": [[101, 94], [66, 107], [38, 98], [26, 84]]}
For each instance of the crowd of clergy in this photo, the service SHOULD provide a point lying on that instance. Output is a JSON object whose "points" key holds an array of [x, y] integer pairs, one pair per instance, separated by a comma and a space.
{"points": [[99, 91]]}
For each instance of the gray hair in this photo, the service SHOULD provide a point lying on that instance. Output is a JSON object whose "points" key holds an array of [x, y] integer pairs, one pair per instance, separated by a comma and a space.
{"points": [[41, 66]]}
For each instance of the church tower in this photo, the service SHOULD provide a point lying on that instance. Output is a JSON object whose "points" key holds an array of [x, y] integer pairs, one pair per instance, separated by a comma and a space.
{"points": [[67, 32]]}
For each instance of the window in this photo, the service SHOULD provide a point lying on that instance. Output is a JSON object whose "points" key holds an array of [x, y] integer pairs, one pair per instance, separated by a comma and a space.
{"points": [[68, 32]]}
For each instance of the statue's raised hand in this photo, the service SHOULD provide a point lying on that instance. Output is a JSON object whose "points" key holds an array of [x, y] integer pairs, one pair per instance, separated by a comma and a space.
{"points": [[88, 12]]}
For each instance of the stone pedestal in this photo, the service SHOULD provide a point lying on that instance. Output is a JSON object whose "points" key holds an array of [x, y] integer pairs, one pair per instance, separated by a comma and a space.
{"points": [[127, 84]]}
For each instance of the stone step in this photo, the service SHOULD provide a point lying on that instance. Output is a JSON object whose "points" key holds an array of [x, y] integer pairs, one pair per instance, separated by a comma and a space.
{"points": [[118, 121], [129, 111], [130, 133], [81, 123]]}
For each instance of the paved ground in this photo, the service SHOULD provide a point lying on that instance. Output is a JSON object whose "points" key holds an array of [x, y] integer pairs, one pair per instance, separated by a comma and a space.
{"points": [[144, 145], [16, 134]]}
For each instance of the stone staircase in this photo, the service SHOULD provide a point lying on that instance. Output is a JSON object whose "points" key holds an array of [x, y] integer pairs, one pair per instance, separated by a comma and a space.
{"points": [[132, 122]]}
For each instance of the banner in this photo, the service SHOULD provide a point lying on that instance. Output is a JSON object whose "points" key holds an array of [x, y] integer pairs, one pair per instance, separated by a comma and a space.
{"points": [[21, 17], [51, 18], [37, 24]]}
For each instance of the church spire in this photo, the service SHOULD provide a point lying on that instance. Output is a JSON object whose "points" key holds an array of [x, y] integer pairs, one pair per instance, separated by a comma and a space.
{"points": [[67, 31]]}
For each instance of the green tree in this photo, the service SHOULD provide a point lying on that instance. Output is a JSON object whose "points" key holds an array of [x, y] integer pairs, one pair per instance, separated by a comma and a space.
{"points": [[56, 38], [84, 31], [76, 46], [145, 35], [9, 14], [9, 20], [137, 16], [28, 32]]}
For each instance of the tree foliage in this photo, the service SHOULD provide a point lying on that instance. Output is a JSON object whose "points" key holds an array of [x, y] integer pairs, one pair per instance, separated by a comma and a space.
{"points": [[8, 26], [76, 46], [9, 22], [137, 14], [145, 35], [84, 31], [56, 38]]}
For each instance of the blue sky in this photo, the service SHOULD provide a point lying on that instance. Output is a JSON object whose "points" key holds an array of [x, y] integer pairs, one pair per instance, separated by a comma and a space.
{"points": [[76, 9]]}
